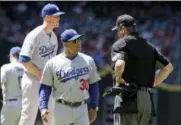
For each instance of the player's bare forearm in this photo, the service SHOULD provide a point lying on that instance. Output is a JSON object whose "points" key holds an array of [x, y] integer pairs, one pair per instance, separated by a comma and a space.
{"points": [[32, 69], [163, 74], [118, 69]]}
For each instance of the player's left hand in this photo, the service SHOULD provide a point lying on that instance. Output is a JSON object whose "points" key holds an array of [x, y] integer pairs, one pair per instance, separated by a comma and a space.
{"points": [[92, 115], [44, 115]]}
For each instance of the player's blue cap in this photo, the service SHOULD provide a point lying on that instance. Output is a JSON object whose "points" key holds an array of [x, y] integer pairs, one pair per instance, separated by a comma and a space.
{"points": [[15, 51], [51, 9], [70, 35]]}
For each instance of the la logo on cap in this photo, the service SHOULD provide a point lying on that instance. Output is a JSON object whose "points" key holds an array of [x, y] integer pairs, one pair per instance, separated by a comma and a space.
{"points": [[57, 8], [74, 32]]}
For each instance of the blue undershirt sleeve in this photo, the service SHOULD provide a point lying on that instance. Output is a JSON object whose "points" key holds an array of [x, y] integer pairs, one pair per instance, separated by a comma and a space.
{"points": [[24, 59], [44, 94], [94, 94]]}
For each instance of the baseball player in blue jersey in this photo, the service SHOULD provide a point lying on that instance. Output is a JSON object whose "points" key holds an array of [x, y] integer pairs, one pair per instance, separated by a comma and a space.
{"points": [[74, 79], [11, 75], [39, 46]]}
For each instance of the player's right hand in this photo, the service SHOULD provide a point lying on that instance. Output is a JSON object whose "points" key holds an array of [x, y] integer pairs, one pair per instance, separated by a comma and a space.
{"points": [[92, 115], [44, 115]]}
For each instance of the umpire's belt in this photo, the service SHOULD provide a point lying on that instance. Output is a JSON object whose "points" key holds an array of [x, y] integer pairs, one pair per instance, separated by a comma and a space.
{"points": [[144, 89], [71, 104]]}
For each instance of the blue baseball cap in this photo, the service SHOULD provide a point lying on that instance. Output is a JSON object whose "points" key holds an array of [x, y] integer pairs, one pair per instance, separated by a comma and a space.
{"points": [[70, 35], [15, 51], [51, 9]]}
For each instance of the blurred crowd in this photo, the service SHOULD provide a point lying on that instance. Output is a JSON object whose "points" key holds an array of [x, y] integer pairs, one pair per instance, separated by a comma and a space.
{"points": [[158, 22]]}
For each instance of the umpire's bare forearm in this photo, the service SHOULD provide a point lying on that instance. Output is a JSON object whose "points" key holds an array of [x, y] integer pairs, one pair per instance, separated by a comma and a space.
{"points": [[163, 74], [119, 69]]}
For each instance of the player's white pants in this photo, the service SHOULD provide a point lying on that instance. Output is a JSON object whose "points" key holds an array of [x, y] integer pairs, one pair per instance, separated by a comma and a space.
{"points": [[117, 119], [65, 115], [10, 113], [30, 100]]}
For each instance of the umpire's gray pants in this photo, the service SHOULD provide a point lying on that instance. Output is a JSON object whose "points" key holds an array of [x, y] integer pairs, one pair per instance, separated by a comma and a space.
{"points": [[144, 111]]}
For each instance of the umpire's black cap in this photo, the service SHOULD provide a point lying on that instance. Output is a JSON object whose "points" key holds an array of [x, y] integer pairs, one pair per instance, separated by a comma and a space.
{"points": [[124, 20]]}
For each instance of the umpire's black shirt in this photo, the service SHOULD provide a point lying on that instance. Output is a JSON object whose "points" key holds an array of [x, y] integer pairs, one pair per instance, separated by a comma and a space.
{"points": [[141, 59]]}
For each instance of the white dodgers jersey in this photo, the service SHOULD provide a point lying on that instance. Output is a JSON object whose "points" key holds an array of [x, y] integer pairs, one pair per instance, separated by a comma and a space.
{"points": [[11, 75], [70, 79], [40, 47]]}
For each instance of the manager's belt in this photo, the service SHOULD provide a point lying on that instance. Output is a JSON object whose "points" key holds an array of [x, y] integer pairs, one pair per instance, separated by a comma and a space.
{"points": [[71, 104], [12, 100]]}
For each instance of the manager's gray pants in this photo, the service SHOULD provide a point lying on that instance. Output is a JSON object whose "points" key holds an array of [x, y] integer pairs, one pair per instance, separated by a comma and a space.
{"points": [[144, 111]]}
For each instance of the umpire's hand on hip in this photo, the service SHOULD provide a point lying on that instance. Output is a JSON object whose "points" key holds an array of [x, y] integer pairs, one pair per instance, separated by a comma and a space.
{"points": [[92, 115], [44, 115]]}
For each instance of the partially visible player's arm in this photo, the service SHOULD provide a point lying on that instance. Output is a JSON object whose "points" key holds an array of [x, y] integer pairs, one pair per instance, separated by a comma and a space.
{"points": [[94, 85], [26, 54], [45, 87], [4, 74], [93, 91], [165, 68], [44, 94], [27, 63], [94, 95]]}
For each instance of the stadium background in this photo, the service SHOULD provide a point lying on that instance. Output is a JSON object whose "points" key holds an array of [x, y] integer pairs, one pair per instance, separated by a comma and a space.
{"points": [[159, 22]]}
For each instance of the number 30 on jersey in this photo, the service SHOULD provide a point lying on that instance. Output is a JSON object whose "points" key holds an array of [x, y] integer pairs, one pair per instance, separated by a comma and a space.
{"points": [[84, 84]]}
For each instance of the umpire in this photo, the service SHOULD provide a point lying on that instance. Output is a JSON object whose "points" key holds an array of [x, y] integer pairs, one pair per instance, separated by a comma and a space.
{"points": [[135, 60]]}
